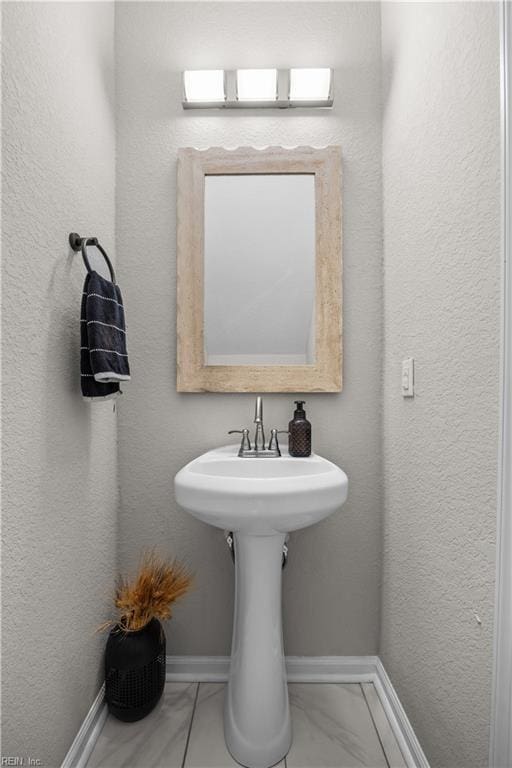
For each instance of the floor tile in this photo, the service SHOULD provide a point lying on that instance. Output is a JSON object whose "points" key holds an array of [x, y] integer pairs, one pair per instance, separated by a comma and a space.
{"points": [[157, 741], [381, 722], [332, 728], [207, 748]]}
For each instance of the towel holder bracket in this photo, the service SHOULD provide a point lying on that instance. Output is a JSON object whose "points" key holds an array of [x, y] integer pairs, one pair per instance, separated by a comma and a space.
{"points": [[75, 241], [78, 244]]}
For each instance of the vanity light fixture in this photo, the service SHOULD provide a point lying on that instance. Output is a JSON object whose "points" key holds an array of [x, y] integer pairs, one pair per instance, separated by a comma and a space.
{"points": [[257, 88]]}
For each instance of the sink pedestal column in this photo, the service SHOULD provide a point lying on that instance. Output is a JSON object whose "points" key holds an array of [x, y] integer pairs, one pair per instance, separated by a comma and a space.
{"points": [[257, 723]]}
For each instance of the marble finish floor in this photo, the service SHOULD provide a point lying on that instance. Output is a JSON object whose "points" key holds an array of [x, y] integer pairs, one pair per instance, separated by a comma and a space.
{"points": [[335, 725]]}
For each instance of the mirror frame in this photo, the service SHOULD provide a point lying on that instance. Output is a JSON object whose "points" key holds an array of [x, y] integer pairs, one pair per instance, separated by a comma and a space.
{"points": [[325, 374]]}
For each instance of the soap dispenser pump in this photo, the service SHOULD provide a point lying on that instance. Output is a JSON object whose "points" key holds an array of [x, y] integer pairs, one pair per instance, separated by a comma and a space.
{"points": [[299, 440]]}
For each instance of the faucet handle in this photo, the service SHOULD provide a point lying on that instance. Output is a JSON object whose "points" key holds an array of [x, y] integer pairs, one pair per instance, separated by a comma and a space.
{"points": [[274, 442], [245, 445]]}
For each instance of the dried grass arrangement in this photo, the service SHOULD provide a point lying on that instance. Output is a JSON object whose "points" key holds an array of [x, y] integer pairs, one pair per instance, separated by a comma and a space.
{"points": [[150, 595]]}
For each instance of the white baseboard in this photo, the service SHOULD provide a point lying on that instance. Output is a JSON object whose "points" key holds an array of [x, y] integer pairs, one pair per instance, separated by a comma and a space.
{"points": [[197, 669], [300, 669], [87, 736], [330, 669], [398, 720]]}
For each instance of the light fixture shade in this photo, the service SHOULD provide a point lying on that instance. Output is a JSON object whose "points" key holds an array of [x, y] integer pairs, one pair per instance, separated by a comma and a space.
{"points": [[204, 85], [311, 85], [256, 84]]}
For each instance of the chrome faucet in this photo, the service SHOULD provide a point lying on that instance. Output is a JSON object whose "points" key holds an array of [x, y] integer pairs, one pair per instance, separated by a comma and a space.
{"points": [[259, 451]]}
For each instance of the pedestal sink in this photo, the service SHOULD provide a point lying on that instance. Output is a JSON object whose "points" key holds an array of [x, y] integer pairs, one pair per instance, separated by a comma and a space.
{"points": [[260, 500]]}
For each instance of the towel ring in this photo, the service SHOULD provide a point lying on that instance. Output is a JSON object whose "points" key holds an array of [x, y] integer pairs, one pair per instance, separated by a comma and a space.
{"points": [[78, 243]]}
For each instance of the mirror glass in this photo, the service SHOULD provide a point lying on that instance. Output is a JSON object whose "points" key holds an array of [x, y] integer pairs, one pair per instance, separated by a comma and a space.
{"points": [[259, 269]]}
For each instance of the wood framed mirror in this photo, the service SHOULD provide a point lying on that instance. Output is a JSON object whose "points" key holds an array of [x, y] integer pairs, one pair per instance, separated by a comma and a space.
{"points": [[259, 270]]}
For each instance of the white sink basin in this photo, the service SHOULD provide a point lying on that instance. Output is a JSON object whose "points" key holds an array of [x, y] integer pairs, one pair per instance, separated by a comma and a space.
{"points": [[260, 500], [260, 496]]}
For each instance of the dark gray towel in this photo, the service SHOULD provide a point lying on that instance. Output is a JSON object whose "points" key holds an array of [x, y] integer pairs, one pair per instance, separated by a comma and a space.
{"points": [[103, 355]]}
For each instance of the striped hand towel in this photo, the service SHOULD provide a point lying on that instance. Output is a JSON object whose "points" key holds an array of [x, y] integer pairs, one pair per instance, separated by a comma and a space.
{"points": [[103, 355]]}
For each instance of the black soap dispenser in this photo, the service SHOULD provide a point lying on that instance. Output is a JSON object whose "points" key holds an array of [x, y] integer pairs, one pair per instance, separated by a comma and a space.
{"points": [[299, 439]]}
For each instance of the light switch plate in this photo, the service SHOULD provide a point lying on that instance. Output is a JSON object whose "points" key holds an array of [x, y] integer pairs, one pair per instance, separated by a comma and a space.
{"points": [[408, 377]]}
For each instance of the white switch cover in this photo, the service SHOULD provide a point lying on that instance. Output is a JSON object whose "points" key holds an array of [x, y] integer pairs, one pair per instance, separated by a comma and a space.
{"points": [[408, 377]]}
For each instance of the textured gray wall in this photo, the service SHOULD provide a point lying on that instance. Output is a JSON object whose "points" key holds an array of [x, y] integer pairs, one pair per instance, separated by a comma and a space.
{"points": [[59, 459], [442, 306], [331, 586]]}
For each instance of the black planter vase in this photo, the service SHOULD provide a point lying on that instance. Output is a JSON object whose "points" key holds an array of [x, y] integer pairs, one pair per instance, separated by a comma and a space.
{"points": [[134, 670]]}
